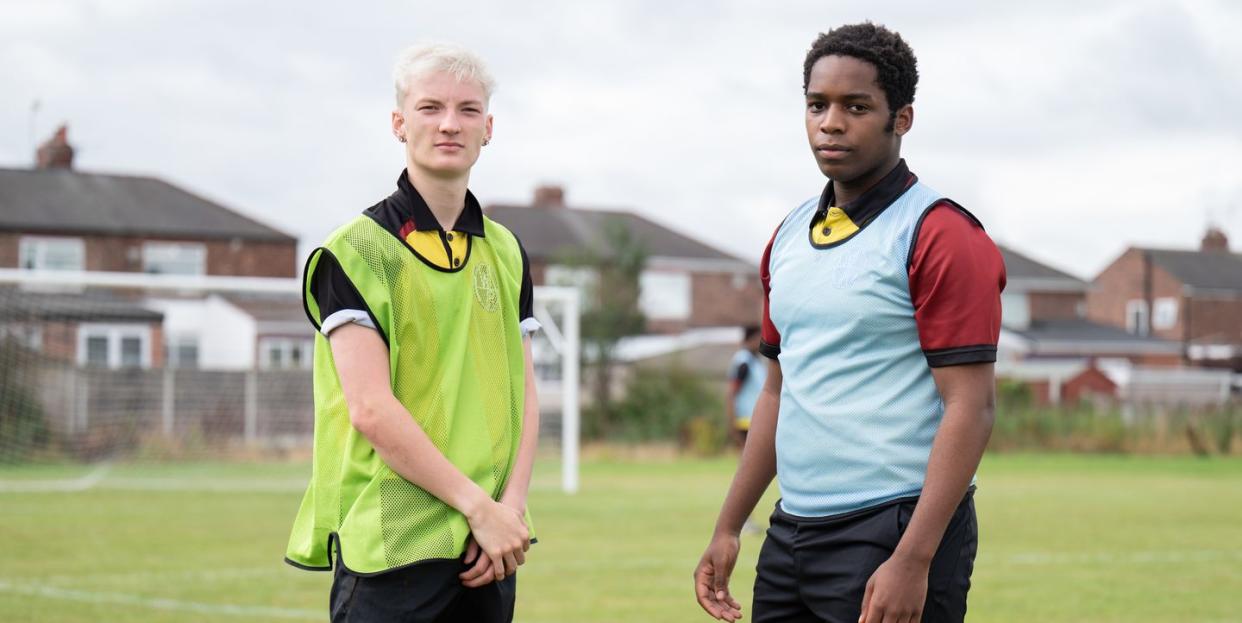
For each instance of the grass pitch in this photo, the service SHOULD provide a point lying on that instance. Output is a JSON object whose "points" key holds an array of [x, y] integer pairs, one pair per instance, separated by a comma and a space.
{"points": [[1062, 538]]}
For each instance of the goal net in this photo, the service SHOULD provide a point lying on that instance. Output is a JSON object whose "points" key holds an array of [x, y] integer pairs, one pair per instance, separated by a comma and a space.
{"points": [[101, 367]]}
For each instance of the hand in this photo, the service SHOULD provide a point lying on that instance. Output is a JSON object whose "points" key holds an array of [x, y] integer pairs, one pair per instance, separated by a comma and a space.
{"points": [[501, 533], [711, 578], [896, 592], [480, 573]]}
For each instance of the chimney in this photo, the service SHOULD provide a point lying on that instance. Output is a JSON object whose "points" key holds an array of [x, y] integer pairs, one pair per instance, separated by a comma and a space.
{"points": [[549, 196], [55, 152], [1214, 240]]}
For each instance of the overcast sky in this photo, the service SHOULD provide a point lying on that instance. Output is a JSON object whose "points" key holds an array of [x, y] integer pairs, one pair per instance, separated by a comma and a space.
{"points": [[1071, 129]]}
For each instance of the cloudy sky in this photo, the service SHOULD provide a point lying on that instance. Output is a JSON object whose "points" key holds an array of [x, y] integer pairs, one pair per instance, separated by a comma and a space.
{"points": [[1072, 129]]}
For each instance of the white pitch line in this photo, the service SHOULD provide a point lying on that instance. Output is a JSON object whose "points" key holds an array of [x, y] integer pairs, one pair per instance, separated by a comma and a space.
{"points": [[210, 485], [264, 612], [89, 481]]}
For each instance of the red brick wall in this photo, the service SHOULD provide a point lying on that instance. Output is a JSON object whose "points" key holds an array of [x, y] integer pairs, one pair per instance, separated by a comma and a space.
{"points": [[714, 301], [1055, 305], [1122, 281], [8, 250], [224, 258], [252, 259], [60, 341], [538, 272], [1085, 384], [721, 299], [157, 345], [1216, 318]]}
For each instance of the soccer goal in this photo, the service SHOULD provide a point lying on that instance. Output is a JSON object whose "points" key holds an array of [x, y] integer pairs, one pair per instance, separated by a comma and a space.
{"points": [[103, 366]]}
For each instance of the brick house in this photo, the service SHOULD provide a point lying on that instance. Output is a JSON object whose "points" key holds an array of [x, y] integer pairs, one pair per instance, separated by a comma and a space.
{"points": [[1044, 317], [1189, 297], [687, 284], [55, 218]]}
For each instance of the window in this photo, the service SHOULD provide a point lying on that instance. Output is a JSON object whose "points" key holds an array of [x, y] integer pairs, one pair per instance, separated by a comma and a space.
{"points": [[181, 352], [664, 295], [29, 336], [114, 346], [1164, 313], [1015, 310], [1136, 316], [285, 353], [174, 258], [43, 253], [581, 277], [97, 350]]}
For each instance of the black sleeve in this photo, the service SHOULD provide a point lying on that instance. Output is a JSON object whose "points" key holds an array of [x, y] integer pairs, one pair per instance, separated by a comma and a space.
{"points": [[743, 371], [526, 298], [332, 289]]}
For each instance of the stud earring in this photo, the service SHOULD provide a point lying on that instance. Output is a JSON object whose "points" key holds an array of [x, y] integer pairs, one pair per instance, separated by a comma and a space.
{"points": [[486, 141]]}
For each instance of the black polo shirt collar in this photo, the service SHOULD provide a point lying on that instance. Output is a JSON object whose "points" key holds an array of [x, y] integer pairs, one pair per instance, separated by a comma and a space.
{"points": [[415, 211], [871, 203]]}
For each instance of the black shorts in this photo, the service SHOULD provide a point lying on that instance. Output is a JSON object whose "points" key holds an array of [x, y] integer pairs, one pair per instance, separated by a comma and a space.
{"points": [[427, 592], [816, 569]]}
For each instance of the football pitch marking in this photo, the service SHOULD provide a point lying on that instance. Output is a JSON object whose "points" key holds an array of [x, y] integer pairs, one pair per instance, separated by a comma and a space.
{"points": [[72, 485], [156, 603]]}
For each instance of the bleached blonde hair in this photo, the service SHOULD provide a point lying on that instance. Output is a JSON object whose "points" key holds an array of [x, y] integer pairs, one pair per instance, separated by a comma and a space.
{"points": [[421, 60]]}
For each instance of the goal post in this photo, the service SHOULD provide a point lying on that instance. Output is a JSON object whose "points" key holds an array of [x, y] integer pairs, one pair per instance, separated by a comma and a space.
{"points": [[558, 308]]}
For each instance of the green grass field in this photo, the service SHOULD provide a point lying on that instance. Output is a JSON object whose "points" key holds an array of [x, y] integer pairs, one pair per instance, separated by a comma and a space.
{"points": [[1063, 538]]}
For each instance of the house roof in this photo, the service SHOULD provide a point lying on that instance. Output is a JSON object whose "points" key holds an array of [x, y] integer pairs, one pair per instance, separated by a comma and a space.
{"points": [[59, 201], [17, 305], [270, 307], [548, 233], [1208, 270], [1024, 273], [1085, 337]]}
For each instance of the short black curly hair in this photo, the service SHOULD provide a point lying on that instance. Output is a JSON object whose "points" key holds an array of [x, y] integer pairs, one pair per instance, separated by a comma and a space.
{"points": [[895, 65]]}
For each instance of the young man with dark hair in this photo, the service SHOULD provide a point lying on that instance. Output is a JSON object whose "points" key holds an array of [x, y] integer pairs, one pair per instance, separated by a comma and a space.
{"points": [[881, 317], [425, 412]]}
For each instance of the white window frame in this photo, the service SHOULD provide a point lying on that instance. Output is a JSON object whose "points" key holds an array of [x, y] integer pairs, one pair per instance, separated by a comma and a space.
{"points": [[199, 249], [1164, 313], [286, 345], [1136, 317], [36, 247], [114, 334], [666, 295]]}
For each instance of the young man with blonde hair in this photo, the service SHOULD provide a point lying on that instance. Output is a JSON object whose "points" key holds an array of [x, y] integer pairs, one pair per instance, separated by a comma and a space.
{"points": [[425, 410]]}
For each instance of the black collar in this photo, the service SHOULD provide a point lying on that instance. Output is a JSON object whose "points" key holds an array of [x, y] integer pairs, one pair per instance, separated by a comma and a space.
{"points": [[871, 203], [411, 203]]}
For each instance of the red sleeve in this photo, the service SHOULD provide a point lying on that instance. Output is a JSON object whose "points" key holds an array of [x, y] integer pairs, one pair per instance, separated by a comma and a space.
{"points": [[769, 337], [956, 278]]}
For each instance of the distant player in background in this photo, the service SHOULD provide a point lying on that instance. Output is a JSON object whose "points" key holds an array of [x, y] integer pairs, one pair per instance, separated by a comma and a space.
{"points": [[747, 373]]}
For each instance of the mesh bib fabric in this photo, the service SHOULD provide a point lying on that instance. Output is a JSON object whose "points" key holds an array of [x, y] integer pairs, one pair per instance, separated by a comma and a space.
{"points": [[456, 364]]}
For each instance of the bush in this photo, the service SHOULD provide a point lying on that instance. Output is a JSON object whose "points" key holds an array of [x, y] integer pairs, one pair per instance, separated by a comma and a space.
{"points": [[662, 403], [22, 427]]}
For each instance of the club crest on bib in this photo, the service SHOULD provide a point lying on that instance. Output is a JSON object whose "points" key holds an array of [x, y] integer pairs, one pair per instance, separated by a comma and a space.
{"points": [[485, 291]]}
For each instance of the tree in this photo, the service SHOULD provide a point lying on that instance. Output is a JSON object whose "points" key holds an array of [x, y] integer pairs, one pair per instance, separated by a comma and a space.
{"points": [[610, 310]]}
